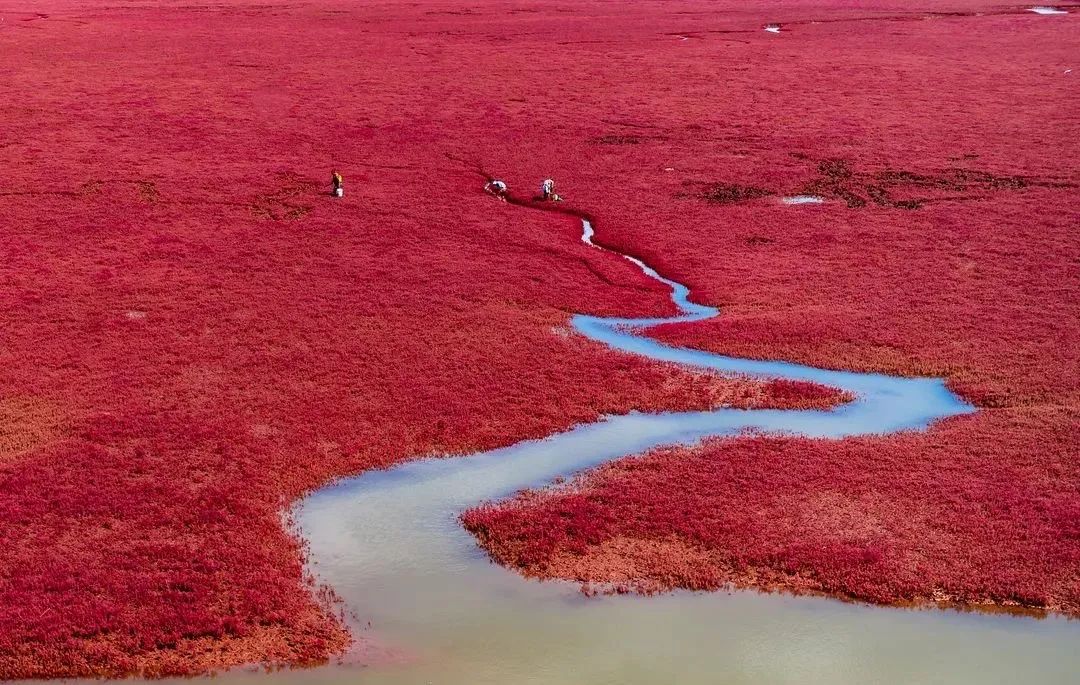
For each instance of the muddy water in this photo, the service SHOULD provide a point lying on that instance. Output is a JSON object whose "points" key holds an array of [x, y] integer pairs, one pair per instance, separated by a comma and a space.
{"points": [[390, 544]]}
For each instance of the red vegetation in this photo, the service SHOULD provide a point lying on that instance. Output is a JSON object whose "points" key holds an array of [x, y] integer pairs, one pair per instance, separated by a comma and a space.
{"points": [[195, 334], [943, 145], [907, 518]]}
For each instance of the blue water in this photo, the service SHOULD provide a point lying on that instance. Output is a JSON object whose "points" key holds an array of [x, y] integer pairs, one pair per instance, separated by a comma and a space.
{"points": [[420, 590], [883, 404]]}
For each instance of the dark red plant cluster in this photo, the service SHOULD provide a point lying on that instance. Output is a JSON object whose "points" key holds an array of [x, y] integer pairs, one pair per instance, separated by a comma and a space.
{"points": [[947, 246], [195, 334]]}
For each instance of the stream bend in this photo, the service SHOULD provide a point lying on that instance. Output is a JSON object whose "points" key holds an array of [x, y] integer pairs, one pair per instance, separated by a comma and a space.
{"points": [[390, 544]]}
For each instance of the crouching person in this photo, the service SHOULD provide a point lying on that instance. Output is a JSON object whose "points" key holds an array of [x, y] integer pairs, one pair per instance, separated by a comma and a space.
{"points": [[496, 188], [547, 191]]}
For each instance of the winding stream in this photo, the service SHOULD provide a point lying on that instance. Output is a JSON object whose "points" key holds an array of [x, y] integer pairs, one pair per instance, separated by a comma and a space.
{"points": [[390, 545]]}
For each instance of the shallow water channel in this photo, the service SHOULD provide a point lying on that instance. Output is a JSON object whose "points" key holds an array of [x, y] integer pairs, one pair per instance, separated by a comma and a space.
{"points": [[390, 544]]}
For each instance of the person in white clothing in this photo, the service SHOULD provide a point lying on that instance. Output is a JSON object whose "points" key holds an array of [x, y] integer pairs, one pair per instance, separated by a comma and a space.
{"points": [[496, 188], [547, 189]]}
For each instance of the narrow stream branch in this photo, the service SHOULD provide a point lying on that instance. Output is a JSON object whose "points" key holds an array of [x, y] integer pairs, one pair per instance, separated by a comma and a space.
{"points": [[390, 544]]}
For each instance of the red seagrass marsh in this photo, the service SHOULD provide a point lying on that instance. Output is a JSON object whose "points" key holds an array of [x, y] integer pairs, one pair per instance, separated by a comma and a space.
{"points": [[196, 336]]}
